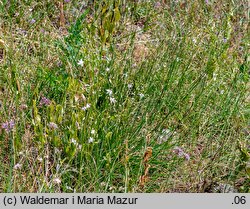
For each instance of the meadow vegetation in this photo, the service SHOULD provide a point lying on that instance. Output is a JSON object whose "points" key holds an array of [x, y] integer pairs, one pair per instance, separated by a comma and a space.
{"points": [[124, 96]]}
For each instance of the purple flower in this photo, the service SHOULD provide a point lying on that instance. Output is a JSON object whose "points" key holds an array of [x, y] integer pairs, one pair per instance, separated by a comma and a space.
{"points": [[181, 153], [178, 151], [45, 101], [8, 126], [32, 21], [157, 5], [187, 156], [206, 1], [66, 1], [53, 125]]}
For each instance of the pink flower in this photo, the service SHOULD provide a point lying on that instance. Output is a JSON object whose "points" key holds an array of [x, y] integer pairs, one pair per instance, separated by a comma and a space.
{"points": [[181, 153], [8, 126], [53, 125], [45, 101]]}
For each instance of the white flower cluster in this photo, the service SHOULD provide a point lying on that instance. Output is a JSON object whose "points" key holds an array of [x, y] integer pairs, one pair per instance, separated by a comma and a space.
{"points": [[111, 98], [78, 146]]}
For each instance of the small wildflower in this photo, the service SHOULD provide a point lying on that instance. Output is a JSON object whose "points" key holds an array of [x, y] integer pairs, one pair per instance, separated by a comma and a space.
{"points": [[157, 5], [178, 151], [112, 100], [109, 92], [80, 63], [224, 40], [53, 125], [103, 184], [141, 95], [20, 153], [206, 1], [57, 181], [66, 1], [73, 141], [86, 107], [222, 92], [45, 101], [40, 159], [92, 131], [112, 188], [121, 188], [181, 153], [8, 126], [17, 166], [107, 69], [79, 146], [32, 21], [186, 156], [91, 140], [130, 85]]}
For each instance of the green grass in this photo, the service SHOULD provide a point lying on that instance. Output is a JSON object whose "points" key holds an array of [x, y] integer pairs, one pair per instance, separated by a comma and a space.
{"points": [[90, 98]]}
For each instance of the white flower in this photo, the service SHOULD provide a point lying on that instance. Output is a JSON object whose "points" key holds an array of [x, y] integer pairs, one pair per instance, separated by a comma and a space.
{"points": [[73, 141], [17, 166], [112, 100], [91, 140], [80, 63], [39, 159], [92, 131], [109, 92], [79, 146], [130, 85], [141, 95], [86, 107], [57, 181], [107, 69]]}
